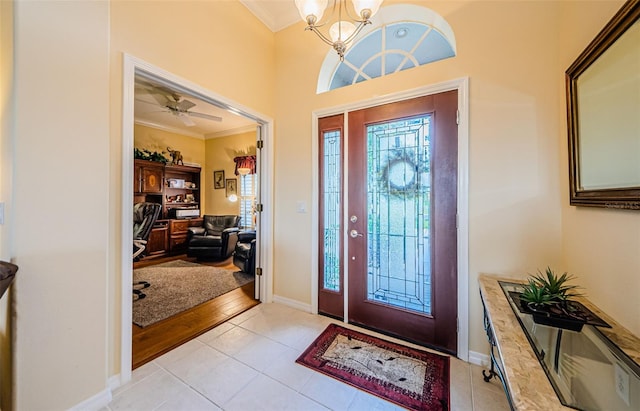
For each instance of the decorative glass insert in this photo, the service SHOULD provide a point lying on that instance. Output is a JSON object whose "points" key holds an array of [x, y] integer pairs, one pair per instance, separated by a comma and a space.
{"points": [[332, 197], [399, 203], [401, 37]]}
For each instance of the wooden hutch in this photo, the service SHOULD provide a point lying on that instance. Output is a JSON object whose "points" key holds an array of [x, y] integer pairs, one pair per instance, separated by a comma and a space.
{"points": [[177, 189]]}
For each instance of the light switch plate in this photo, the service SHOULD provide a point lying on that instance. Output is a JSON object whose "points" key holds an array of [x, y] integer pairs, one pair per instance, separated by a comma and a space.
{"points": [[622, 383], [1, 213]]}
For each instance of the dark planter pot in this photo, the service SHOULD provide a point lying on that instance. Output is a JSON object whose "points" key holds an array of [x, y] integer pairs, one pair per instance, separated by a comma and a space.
{"points": [[555, 316], [570, 315]]}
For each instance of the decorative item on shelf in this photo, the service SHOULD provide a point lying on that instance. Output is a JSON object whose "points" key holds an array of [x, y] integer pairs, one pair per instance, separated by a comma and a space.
{"points": [[175, 183], [189, 198], [547, 297], [342, 32], [176, 156], [218, 179], [145, 154]]}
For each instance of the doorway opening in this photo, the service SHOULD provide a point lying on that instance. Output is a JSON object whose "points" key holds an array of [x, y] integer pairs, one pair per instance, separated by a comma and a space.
{"points": [[134, 67]]}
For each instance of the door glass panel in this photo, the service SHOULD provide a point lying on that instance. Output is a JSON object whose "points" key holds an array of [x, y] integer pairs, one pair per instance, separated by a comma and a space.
{"points": [[398, 204], [332, 205]]}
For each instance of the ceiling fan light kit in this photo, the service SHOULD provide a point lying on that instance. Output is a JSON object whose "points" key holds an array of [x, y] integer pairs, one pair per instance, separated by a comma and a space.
{"points": [[343, 31]]}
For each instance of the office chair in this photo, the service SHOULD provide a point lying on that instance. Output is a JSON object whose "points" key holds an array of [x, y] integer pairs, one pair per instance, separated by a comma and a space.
{"points": [[144, 217]]}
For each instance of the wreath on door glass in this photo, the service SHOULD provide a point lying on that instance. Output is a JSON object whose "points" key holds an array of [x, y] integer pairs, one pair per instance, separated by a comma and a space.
{"points": [[401, 173]]}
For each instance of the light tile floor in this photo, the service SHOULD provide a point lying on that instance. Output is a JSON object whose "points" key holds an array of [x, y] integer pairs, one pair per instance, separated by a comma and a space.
{"points": [[248, 363]]}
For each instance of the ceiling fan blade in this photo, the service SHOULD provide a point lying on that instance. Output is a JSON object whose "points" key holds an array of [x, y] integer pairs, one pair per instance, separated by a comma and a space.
{"points": [[205, 116], [184, 105], [186, 120]]}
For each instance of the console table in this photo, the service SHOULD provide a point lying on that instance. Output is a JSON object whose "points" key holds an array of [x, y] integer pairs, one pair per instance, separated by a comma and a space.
{"points": [[573, 356]]}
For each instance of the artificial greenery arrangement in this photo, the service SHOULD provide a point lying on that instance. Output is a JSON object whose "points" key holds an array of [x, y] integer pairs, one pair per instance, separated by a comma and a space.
{"points": [[145, 154], [545, 290], [548, 297]]}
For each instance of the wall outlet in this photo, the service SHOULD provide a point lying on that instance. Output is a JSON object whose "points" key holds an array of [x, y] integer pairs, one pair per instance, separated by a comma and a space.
{"points": [[301, 207], [622, 383]]}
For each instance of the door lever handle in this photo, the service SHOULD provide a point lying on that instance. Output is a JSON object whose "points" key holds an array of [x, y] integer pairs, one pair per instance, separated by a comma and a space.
{"points": [[354, 234]]}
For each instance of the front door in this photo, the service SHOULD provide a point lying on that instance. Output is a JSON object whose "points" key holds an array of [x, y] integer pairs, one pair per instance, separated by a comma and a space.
{"points": [[400, 226]]}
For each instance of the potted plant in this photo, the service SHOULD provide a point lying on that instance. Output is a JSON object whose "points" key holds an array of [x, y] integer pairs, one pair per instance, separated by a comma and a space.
{"points": [[547, 296]]}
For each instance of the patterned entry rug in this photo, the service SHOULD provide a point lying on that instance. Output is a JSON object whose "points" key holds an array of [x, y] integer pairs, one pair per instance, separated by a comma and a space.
{"points": [[411, 378], [178, 285]]}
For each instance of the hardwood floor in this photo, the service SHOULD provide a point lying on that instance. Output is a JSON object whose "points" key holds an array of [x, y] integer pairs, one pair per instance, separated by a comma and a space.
{"points": [[153, 341]]}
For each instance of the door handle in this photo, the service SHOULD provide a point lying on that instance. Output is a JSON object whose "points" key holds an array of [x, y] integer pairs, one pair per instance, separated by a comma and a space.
{"points": [[354, 234]]}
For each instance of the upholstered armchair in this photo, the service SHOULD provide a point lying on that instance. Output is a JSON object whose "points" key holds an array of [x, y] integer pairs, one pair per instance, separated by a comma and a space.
{"points": [[216, 239], [244, 256]]}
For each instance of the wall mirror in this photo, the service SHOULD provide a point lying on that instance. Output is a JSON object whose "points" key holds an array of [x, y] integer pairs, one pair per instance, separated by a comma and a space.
{"points": [[603, 116]]}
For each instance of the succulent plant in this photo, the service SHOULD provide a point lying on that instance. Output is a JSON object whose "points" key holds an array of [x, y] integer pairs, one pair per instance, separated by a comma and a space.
{"points": [[556, 286], [536, 295]]}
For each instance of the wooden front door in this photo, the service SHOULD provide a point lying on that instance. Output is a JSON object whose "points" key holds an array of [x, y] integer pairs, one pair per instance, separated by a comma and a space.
{"points": [[401, 236]]}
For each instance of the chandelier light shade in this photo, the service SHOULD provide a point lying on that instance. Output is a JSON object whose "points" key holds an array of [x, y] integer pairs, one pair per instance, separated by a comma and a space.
{"points": [[345, 29]]}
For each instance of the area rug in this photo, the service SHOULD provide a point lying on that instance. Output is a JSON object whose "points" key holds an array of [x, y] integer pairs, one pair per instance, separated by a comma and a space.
{"points": [[412, 378], [178, 285]]}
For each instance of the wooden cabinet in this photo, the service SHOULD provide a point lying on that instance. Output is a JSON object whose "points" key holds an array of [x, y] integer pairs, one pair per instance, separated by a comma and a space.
{"points": [[158, 243], [175, 188], [148, 177], [178, 233]]}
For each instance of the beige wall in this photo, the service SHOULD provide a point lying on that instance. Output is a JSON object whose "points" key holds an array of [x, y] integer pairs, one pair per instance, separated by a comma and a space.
{"points": [[154, 139], [6, 165], [519, 217], [517, 189], [601, 246], [200, 41], [61, 202], [220, 154]]}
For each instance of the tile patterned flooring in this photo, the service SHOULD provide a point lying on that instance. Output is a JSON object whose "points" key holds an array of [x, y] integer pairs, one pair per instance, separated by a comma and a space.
{"points": [[248, 363]]}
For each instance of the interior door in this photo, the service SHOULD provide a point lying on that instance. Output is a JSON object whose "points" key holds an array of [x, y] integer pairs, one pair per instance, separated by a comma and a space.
{"points": [[401, 222]]}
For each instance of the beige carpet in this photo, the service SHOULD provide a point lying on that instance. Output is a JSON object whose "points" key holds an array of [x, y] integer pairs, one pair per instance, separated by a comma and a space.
{"points": [[179, 285]]}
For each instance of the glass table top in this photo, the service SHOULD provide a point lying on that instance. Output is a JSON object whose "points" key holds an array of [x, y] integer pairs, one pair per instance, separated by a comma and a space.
{"points": [[587, 371]]}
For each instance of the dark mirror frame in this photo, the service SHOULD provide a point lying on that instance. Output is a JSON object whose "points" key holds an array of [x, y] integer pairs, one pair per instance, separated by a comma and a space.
{"points": [[618, 198]]}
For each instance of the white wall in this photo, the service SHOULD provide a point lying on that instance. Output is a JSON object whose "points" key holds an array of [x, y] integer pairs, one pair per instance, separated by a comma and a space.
{"points": [[61, 201]]}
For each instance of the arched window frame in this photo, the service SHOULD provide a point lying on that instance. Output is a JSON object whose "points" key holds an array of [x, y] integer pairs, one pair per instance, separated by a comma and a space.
{"points": [[389, 15]]}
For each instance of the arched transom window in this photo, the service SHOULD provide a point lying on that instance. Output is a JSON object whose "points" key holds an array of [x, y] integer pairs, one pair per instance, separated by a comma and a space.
{"points": [[400, 37]]}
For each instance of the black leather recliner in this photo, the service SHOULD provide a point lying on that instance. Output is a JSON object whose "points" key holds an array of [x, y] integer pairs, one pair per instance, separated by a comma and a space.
{"points": [[216, 239], [244, 256]]}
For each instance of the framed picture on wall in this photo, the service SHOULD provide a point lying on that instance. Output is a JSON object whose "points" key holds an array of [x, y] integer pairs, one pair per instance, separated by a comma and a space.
{"points": [[218, 179], [232, 186]]}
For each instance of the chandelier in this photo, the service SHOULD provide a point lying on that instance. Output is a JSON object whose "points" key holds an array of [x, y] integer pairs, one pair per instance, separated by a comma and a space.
{"points": [[342, 32]]}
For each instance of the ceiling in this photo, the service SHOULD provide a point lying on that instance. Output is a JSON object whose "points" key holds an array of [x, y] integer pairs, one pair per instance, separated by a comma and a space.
{"points": [[153, 98], [275, 14], [158, 106]]}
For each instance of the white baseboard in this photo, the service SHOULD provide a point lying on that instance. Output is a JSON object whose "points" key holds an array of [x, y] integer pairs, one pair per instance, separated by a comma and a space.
{"points": [[479, 359], [114, 382], [97, 402], [292, 303]]}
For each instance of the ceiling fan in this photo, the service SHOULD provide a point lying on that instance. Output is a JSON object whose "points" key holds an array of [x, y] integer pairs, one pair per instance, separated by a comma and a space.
{"points": [[176, 105]]}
